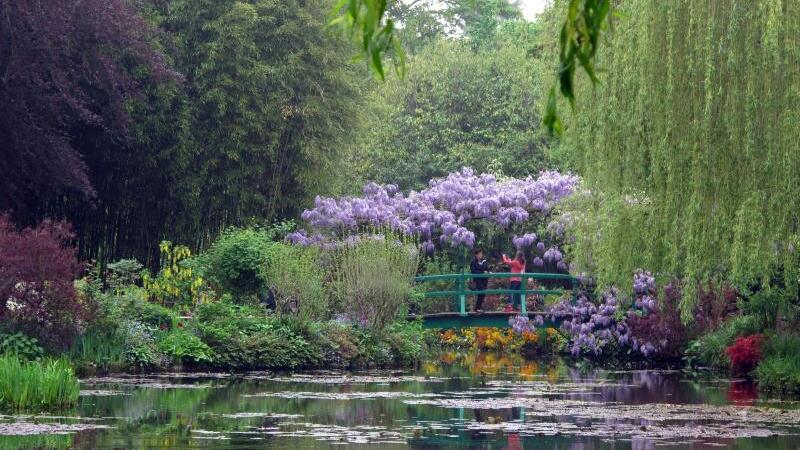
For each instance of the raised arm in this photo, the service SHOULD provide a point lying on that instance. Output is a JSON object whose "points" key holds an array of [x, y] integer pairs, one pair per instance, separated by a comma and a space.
{"points": [[506, 260]]}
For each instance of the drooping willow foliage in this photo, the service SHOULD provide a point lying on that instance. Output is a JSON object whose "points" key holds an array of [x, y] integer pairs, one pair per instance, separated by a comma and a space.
{"points": [[690, 145]]}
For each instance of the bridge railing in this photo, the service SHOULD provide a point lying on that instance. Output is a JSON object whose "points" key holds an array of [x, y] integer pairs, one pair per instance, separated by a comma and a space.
{"points": [[462, 291]]}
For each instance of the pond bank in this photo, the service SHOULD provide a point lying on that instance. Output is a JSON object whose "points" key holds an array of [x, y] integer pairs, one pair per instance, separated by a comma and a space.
{"points": [[483, 399]]}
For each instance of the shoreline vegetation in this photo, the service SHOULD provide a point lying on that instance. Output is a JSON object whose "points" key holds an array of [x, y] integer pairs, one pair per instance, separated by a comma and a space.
{"points": [[253, 301]]}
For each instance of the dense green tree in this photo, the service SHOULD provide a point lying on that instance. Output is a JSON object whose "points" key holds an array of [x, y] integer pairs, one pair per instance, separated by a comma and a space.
{"points": [[371, 25], [271, 94], [250, 131], [64, 76], [690, 146], [456, 107]]}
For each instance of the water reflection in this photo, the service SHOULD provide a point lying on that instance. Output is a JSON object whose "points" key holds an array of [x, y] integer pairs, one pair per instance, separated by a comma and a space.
{"points": [[477, 400]]}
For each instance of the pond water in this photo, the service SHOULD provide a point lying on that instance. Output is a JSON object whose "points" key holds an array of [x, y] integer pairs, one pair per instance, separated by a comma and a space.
{"points": [[481, 401]]}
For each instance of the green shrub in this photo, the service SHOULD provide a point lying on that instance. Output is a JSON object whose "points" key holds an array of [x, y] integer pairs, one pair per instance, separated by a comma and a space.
{"points": [[407, 342], [122, 274], [279, 349], [185, 347], [36, 385], [336, 344], [709, 349], [24, 347], [769, 306], [224, 327], [236, 262], [372, 349], [133, 305], [140, 349], [297, 279], [243, 337], [373, 278], [779, 371]]}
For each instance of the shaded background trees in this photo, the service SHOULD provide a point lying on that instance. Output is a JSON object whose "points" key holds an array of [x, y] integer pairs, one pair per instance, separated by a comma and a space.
{"points": [[64, 80], [175, 119], [96, 129], [470, 98]]}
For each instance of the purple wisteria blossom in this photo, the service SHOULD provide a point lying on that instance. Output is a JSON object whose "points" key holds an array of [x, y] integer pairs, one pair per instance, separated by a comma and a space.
{"points": [[440, 214], [521, 324], [524, 241], [594, 327]]}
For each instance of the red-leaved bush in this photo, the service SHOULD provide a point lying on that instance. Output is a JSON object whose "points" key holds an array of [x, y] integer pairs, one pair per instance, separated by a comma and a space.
{"points": [[714, 305], [662, 327], [745, 353], [37, 269]]}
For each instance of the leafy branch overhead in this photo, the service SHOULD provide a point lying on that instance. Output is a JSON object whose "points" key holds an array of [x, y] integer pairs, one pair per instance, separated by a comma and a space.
{"points": [[368, 25], [579, 40]]}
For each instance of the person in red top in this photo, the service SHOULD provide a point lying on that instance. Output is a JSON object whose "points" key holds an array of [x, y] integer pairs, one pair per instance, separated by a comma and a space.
{"points": [[517, 265]]}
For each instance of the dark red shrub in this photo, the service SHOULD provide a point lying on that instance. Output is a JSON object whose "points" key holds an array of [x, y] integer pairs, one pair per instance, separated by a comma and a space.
{"points": [[745, 353], [63, 68], [37, 269], [662, 327], [714, 305]]}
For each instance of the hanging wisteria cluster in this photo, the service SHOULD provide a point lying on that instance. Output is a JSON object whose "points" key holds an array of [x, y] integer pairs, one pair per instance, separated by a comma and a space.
{"points": [[521, 324], [592, 328], [442, 212]]}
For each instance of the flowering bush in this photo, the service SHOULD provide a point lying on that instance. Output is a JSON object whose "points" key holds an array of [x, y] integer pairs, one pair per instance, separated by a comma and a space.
{"points": [[441, 213], [487, 338], [176, 284], [657, 328], [523, 336], [649, 328], [37, 269], [745, 353], [591, 328]]}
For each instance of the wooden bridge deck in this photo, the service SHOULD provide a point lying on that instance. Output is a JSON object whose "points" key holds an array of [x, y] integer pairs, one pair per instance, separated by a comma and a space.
{"points": [[498, 319]]}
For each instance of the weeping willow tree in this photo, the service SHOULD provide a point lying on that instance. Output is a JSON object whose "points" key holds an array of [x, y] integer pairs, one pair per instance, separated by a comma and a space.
{"points": [[690, 144]]}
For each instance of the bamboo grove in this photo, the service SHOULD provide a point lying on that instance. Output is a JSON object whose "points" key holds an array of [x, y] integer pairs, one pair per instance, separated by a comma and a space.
{"points": [[690, 144]]}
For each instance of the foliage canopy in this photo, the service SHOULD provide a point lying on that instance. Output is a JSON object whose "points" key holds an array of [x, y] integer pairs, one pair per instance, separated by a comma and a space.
{"points": [[690, 146]]}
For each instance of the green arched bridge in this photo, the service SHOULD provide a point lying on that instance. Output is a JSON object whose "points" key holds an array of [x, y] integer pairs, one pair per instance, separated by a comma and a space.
{"points": [[459, 317]]}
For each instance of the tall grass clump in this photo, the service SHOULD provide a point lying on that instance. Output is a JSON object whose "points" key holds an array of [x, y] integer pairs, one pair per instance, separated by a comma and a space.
{"points": [[779, 371], [373, 278], [297, 280], [102, 351], [36, 385]]}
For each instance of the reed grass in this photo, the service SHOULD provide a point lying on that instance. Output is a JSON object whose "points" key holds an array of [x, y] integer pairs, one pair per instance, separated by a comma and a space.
{"points": [[36, 385], [101, 350]]}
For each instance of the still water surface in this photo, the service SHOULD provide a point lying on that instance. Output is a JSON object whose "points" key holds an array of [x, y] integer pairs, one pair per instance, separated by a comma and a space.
{"points": [[480, 401]]}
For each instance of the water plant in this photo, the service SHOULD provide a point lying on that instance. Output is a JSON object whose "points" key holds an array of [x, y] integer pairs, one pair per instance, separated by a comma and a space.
{"points": [[36, 385]]}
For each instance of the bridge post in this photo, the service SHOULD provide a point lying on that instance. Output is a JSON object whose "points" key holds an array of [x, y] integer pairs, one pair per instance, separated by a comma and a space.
{"points": [[523, 298], [462, 298]]}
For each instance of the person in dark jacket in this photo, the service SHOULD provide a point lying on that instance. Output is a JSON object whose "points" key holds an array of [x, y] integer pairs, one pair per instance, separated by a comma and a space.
{"points": [[479, 265]]}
